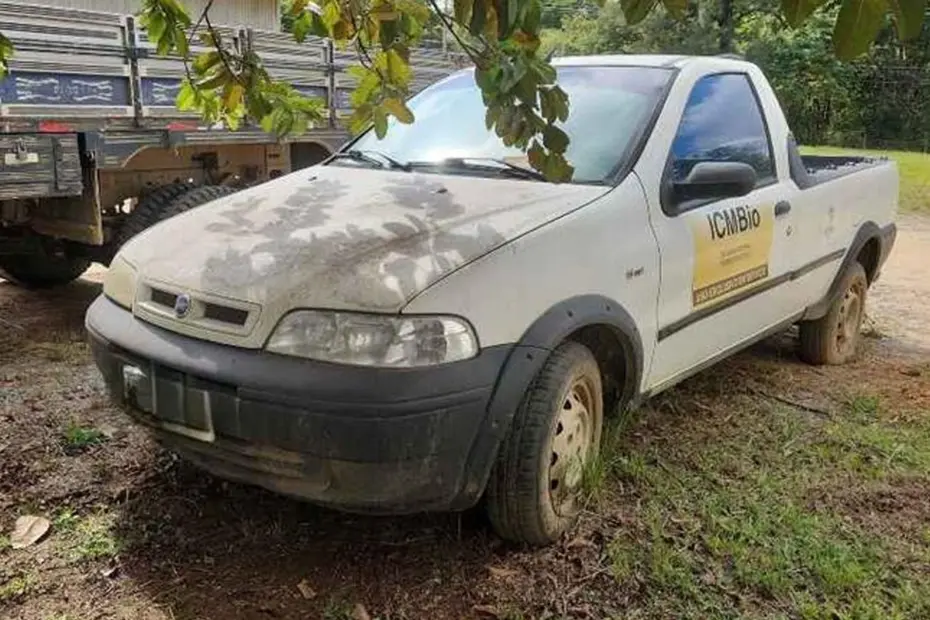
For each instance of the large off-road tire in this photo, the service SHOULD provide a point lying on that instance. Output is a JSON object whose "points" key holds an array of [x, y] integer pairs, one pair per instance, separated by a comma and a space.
{"points": [[198, 196], [534, 494], [40, 269], [833, 339], [150, 210]]}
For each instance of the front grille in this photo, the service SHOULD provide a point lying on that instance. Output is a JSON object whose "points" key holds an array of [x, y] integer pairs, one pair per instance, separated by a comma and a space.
{"points": [[163, 298], [225, 314], [163, 301]]}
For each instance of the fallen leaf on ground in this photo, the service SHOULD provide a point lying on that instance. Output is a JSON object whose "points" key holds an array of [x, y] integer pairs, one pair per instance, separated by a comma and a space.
{"points": [[487, 610], [502, 572], [28, 531], [360, 613], [305, 590], [579, 542]]}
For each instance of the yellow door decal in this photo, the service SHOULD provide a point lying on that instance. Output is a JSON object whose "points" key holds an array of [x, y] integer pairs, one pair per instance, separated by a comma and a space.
{"points": [[731, 251]]}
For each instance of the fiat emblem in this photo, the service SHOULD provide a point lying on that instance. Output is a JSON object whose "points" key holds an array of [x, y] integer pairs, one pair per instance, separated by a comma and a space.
{"points": [[182, 305]]}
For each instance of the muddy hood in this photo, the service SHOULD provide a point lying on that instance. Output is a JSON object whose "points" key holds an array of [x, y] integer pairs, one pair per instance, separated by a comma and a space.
{"points": [[344, 238]]}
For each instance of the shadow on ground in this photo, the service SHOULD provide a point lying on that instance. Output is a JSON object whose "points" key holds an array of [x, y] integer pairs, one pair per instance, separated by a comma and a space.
{"points": [[215, 550]]}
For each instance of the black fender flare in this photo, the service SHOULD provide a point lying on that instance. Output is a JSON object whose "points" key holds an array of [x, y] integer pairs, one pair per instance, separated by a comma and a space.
{"points": [[526, 360], [867, 232]]}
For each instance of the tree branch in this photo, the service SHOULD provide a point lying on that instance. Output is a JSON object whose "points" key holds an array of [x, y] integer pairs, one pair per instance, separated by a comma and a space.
{"points": [[447, 24]]}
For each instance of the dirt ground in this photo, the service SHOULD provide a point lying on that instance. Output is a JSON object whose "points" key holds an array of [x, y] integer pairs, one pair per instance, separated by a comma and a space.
{"points": [[138, 535]]}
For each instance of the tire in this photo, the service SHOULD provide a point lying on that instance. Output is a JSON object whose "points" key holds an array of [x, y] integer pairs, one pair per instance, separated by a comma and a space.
{"points": [[533, 495], [834, 338], [41, 270], [196, 197], [150, 210]]}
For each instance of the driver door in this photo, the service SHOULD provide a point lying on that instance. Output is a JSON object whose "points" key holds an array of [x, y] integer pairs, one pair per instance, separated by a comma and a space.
{"points": [[723, 258]]}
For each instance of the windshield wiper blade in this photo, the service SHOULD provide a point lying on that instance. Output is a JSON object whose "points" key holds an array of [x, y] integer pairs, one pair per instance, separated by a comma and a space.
{"points": [[502, 166], [371, 157]]}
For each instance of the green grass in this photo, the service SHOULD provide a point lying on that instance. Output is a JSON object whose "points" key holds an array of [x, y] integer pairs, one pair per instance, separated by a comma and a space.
{"points": [[15, 587], [746, 514], [77, 438], [85, 538], [913, 168]]}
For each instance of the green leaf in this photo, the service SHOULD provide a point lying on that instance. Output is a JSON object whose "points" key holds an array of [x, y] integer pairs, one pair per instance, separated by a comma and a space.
{"points": [[857, 25], [462, 11], [399, 109], [206, 61], [156, 27], [909, 17], [678, 9], [233, 94], [796, 11], [636, 10], [555, 139], [533, 17], [302, 27], [536, 155], [187, 96], [381, 121]]}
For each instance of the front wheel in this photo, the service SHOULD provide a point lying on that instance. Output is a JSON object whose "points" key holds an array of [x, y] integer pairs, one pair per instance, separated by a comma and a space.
{"points": [[834, 338], [534, 494]]}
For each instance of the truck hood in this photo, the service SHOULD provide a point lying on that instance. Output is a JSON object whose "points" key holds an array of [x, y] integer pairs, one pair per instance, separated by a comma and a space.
{"points": [[344, 238]]}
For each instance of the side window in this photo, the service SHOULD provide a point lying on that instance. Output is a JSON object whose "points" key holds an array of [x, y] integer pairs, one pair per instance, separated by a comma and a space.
{"points": [[722, 121]]}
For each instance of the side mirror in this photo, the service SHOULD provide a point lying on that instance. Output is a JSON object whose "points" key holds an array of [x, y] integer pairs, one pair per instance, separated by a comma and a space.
{"points": [[715, 179]]}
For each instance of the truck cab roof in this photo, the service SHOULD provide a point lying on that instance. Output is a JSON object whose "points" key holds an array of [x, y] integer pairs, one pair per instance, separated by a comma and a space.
{"points": [[654, 60]]}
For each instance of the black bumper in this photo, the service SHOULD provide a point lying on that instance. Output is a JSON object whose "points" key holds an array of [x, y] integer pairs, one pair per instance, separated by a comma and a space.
{"points": [[371, 440]]}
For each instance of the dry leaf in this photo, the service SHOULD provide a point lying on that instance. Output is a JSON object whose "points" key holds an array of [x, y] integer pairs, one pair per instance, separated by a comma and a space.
{"points": [[305, 590], [360, 613], [502, 572], [28, 531], [487, 610], [579, 542]]}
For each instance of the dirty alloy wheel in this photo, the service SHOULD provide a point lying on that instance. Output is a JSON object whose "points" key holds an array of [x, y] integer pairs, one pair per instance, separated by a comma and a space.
{"points": [[534, 494], [833, 339]]}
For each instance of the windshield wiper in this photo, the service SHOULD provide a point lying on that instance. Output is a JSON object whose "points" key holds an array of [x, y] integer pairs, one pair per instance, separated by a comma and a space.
{"points": [[371, 157], [471, 163]]}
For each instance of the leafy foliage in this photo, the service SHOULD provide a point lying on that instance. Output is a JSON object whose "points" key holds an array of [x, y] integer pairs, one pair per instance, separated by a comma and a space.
{"points": [[229, 86]]}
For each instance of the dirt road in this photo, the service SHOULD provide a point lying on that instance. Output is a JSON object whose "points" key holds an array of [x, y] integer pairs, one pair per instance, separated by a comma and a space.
{"points": [[136, 534]]}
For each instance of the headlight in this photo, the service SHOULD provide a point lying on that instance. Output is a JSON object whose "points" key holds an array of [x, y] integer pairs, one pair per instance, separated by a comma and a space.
{"points": [[373, 340], [120, 282]]}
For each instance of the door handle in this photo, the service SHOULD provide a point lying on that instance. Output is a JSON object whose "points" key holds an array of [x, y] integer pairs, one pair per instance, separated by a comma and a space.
{"points": [[782, 208]]}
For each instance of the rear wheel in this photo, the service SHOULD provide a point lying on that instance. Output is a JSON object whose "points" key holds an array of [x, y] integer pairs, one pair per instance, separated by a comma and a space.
{"points": [[534, 494], [151, 209], [41, 269], [196, 197], [834, 338]]}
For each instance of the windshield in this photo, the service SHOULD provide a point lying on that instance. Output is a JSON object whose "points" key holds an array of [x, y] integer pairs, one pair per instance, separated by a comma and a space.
{"points": [[608, 108]]}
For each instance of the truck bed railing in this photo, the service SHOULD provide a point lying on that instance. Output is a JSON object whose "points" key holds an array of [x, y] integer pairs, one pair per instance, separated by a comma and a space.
{"points": [[98, 69]]}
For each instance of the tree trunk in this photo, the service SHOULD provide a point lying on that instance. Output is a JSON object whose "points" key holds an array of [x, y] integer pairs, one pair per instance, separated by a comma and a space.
{"points": [[725, 21]]}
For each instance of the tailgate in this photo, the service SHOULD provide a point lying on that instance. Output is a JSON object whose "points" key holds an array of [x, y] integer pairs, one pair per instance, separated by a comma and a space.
{"points": [[39, 165]]}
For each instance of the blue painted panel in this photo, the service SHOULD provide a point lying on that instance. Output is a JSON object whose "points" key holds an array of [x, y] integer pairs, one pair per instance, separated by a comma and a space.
{"points": [[160, 91], [342, 98], [312, 91], [64, 89]]}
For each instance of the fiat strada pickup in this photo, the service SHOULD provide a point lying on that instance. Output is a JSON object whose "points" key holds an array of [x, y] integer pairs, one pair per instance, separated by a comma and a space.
{"points": [[422, 322]]}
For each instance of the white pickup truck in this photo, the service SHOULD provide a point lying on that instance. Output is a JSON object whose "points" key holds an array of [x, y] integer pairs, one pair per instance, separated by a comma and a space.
{"points": [[421, 322]]}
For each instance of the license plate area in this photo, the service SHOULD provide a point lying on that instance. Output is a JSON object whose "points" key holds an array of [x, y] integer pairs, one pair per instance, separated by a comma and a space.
{"points": [[168, 399]]}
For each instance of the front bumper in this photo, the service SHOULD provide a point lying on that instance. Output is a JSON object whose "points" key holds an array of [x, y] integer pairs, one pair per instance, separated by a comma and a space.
{"points": [[364, 439]]}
